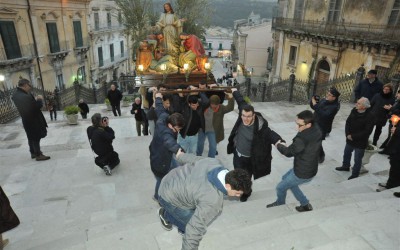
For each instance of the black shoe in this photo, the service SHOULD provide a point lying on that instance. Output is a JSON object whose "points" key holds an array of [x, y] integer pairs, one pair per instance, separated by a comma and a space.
{"points": [[304, 208], [321, 159], [397, 194], [164, 223], [352, 177], [33, 156], [382, 184], [107, 170], [342, 168], [42, 157], [273, 204], [374, 143], [216, 152], [383, 152]]}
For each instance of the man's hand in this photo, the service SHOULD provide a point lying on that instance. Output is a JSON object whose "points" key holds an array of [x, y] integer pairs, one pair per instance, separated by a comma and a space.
{"points": [[313, 101], [158, 94], [229, 95], [180, 152], [233, 90], [213, 85], [349, 137]]}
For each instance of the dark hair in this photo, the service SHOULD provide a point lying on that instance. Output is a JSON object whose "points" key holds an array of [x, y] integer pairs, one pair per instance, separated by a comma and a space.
{"points": [[307, 116], [248, 108], [170, 6], [240, 180], [23, 82], [96, 120], [176, 119], [193, 99], [167, 97], [161, 86]]}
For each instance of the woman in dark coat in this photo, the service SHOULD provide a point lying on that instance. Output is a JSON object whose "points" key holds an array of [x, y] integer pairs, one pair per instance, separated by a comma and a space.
{"points": [[8, 219]]}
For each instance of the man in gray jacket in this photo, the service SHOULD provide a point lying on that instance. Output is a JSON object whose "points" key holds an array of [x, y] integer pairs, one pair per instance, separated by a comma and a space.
{"points": [[305, 149], [191, 196]]}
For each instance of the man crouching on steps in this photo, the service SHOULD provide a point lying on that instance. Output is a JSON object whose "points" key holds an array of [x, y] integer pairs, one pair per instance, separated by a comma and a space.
{"points": [[305, 149], [191, 196]]}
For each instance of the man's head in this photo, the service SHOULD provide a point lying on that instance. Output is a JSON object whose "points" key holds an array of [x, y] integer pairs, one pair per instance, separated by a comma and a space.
{"points": [[80, 100], [305, 120], [137, 100], [161, 87], [96, 120], [362, 104], [215, 101], [238, 182], [248, 116], [176, 122], [332, 94], [372, 74], [387, 88], [24, 84], [193, 102], [167, 101], [112, 87]]}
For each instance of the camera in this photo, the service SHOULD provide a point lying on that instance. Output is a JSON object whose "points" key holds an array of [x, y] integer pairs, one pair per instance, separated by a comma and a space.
{"points": [[104, 119], [317, 98]]}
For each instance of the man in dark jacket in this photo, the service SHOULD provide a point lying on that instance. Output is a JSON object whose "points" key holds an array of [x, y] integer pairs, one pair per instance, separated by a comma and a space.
{"points": [[84, 108], [140, 117], [164, 144], [325, 111], [115, 97], [100, 137], [250, 141], [304, 148], [32, 118], [369, 86], [359, 125]]}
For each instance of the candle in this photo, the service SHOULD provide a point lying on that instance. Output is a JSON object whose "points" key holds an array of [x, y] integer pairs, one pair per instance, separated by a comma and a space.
{"points": [[163, 66], [186, 66], [207, 66], [140, 67]]}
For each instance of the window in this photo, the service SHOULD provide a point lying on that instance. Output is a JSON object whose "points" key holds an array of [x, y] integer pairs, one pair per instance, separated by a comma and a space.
{"points": [[394, 18], [100, 55], [96, 21], [60, 82], [112, 52], [78, 34], [119, 18], [292, 55], [298, 9], [53, 37], [220, 46], [10, 39], [334, 10], [109, 19], [209, 45], [122, 48]]}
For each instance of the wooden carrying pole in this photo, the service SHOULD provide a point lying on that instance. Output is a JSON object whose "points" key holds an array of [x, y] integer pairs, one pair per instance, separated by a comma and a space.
{"points": [[176, 91]]}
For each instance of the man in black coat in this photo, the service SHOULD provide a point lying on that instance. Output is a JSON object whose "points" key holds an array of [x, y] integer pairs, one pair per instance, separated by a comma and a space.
{"points": [[251, 141], [359, 125], [32, 118], [115, 97], [140, 117], [369, 86], [325, 111], [304, 148], [101, 137]]}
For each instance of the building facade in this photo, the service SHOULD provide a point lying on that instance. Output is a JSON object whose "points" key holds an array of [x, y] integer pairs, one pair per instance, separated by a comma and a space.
{"points": [[252, 39], [218, 43], [109, 56], [44, 41], [322, 40]]}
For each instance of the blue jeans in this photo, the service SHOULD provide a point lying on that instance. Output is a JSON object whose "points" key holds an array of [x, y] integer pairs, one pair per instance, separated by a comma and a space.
{"points": [[212, 143], [292, 182], [175, 215], [189, 143], [358, 155]]}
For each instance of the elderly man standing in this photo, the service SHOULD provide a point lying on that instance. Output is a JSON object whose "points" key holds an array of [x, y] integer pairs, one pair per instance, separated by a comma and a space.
{"points": [[304, 148], [115, 97], [32, 118], [359, 125], [369, 86]]}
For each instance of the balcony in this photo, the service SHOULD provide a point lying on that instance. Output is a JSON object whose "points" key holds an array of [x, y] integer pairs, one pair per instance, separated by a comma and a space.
{"points": [[110, 62], [107, 28], [81, 47], [25, 55], [352, 32], [60, 52]]}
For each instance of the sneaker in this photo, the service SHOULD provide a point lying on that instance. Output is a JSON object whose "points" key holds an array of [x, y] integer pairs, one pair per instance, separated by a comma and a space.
{"points": [[164, 223], [42, 157], [397, 194], [304, 208], [363, 170], [107, 170], [380, 189], [273, 204], [342, 168], [382, 184]]}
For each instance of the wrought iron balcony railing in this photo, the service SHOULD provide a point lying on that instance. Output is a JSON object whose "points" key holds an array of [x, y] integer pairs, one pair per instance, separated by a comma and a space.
{"points": [[348, 31], [110, 61], [24, 51]]}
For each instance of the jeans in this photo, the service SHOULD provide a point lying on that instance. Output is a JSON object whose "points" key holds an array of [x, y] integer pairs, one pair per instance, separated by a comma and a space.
{"points": [[175, 215], [212, 143], [358, 155], [292, 182], [189, 143], [139, 125]]}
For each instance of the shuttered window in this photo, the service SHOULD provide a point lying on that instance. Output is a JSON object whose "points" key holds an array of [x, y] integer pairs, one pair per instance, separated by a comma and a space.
{"points": [[78, 34], [53, 37], [10, 40]]}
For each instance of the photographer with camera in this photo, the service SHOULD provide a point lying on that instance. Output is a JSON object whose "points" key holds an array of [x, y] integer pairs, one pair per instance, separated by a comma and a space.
{"points": [[101, 137], [325, 110]]}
